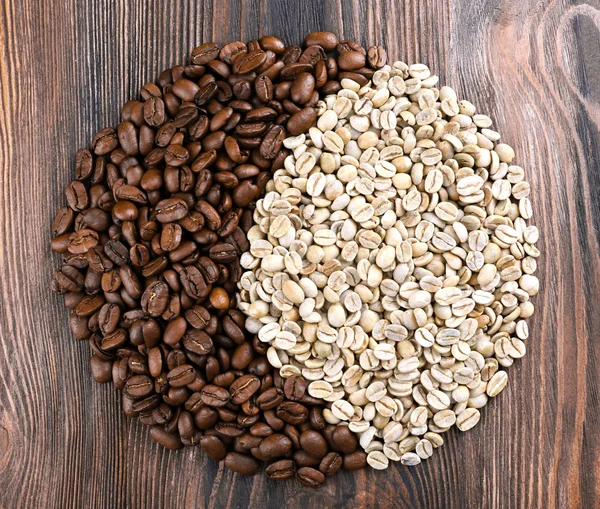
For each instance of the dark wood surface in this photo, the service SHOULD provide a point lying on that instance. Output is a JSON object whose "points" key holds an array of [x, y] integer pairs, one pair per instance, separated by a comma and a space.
{"points": [[65, 68]]}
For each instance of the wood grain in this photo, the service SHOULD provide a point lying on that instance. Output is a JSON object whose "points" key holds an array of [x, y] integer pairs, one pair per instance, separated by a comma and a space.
{"points": [[66, 67]]}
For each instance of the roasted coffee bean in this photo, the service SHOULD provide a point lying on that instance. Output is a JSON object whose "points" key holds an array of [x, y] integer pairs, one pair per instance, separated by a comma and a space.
{"points": [[331, 463], [243, 388], [197, 342], [377, 57], [181, 375], [300, 122], [310, 477], [215, 396], [292, 413], [313, 443], [355, 461], [345, 440], [274, 446], [294, 388], [155, 298], [138, 386], [101, 369], [241, 463], [171, 210], [303, 459], [327, 40], [168, 440], [214, 448], [270, 399], [302, 88], [167, 198]]}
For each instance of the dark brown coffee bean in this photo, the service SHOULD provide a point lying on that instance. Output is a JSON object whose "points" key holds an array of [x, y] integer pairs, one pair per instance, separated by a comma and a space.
{"points": [[241, 463], [377, 57], [101, 369], [250, 61], [154, 112], [302, 88], [174, 331], [351, 60], [355, 461], [294, 388], [105, 141], [168, 440], [193, 282], [327, 40], [89, 305], [170, 237], [272, 142], [181, 375], [264, 88], [213, 447], [274, 446], [63, 220], [138, 386], [243, 388], [155, 298], [205, 53], [310, 477], [215, 396], [171, 210], [331, 463], [292, 413], [300, 122], [270, 399], [345, 440], [212, 217], [313, 443]]}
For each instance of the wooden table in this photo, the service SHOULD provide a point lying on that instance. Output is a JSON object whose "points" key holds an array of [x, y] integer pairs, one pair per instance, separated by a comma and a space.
{"points": [[66, 67]]}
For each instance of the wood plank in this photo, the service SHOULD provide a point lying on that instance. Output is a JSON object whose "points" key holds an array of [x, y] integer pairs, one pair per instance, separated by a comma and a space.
{"points": [[65, 69]]}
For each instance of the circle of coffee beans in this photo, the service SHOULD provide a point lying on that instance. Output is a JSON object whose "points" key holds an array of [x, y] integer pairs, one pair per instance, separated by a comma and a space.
{"points": [[150, 243]]}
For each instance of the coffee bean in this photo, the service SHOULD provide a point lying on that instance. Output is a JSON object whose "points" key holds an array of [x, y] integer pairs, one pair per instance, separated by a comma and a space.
{"points": [[294, 388], [291, 412], [274, 446], [313, 443], [281, 470], [302, 88], [377, 57], [168, 440], [327, 40], [310, 477], [345, 440], [300, 122], [331, 463], [241, 463], [214, 448], [181, 375], [243, 388], [138, 386], [215, 396], [101, 369], [155, 298], [355, 461]]}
